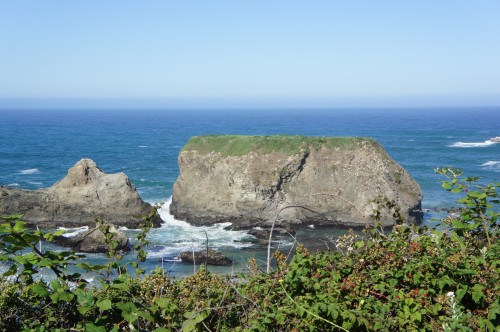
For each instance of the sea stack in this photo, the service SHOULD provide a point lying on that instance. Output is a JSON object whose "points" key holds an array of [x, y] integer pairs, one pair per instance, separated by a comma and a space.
{"points": [[324, 181], [79, 199]]}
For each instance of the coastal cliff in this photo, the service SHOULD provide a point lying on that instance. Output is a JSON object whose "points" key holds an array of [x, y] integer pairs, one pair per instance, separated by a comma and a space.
{"points": [[85, 194], [248, 180]]}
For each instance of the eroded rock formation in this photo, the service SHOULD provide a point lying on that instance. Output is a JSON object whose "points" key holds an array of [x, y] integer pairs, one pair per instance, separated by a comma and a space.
{"points": [[84, 195], [248, 180]]}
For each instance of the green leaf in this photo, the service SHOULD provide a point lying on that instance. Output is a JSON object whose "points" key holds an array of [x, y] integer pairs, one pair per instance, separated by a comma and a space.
{"points": [[19, 227], [39, 289], [359, 244], [66, 296], [193, 320], [44, 262], [83, 309], [55, 285], [477, 292], [163, 302], [5, 228], [446, 185], [146, 315], [459, 224], [461, 292], [129, 311], [494, 310], [104, 304], [416, 316], [120, 285], [85, 300], [466, 272]]}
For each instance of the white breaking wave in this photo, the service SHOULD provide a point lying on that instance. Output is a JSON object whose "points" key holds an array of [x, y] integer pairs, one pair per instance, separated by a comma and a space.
{"points": [[71, 232], [29, 171], [472, 144], [142, 146], [492, 164], [13, 185], [175, 236]]}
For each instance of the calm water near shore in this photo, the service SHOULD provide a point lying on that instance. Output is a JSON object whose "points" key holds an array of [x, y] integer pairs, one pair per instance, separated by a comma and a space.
{"points": [[37, 147]]}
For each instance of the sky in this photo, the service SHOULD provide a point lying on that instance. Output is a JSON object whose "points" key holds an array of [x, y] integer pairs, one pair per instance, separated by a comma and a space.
{"points": [[248, 53]]}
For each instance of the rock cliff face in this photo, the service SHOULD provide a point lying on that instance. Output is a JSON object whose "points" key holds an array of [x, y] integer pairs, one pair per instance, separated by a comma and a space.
{"points": [[86, 193], [248, 180]]}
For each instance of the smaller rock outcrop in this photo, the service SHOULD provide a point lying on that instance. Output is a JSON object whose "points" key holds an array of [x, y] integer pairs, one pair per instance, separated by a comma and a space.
{"points": [[200, 257], [84, 195], [94, 240]]}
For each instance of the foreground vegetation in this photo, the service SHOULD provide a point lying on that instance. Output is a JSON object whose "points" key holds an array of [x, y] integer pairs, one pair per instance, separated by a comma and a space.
{"points": [[238, 145], [410, 278]]}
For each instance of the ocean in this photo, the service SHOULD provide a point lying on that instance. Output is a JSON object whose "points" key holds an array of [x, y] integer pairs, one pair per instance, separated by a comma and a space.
{"points": [[37, 147]]}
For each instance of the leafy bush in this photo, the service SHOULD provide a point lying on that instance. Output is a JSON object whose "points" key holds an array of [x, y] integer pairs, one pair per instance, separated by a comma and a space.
{"points": [[410, 278]]}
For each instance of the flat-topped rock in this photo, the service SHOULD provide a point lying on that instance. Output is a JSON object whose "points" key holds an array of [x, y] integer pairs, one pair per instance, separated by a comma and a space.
{"points": [[84, 195], [247, 180]]}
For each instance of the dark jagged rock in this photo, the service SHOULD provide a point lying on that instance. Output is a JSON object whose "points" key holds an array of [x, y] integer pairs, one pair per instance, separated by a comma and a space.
{"points": [[320, 181], [262, 234], [200, 257], [84, 195], [94, 240]]}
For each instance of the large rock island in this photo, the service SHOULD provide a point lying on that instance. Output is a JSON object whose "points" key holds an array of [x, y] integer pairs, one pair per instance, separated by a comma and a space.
{"points": [[84, 195], [248, 180]]}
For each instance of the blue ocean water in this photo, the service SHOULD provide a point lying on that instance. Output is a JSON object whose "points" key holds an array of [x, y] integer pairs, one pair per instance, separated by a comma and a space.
{"points": [[37, 147]]}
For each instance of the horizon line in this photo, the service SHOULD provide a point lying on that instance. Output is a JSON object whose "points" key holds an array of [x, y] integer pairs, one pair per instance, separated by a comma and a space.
{"points": [[223, 107]]}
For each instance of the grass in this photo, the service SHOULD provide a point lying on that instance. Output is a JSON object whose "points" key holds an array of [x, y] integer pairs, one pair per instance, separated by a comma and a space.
{"points": [[239, 145]]}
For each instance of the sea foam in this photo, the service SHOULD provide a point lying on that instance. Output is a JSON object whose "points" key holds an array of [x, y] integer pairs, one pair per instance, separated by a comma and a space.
{"points": [[492, 164], [175, 236], [472, 144], [29, 171]]}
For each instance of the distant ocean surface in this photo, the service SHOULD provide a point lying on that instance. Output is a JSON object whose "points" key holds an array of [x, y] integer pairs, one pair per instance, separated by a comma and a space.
{"points": [[37, 147]]}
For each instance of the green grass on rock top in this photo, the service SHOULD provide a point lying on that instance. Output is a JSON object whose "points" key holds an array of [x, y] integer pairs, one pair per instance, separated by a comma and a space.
{"points": [[238, 145]]}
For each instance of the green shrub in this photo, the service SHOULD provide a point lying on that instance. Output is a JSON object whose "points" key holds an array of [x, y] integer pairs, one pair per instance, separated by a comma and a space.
{"points": [[410, 278]]}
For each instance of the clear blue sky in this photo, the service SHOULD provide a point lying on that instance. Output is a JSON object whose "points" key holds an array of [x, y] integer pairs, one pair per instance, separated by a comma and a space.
{"points": [[121, 53]]}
